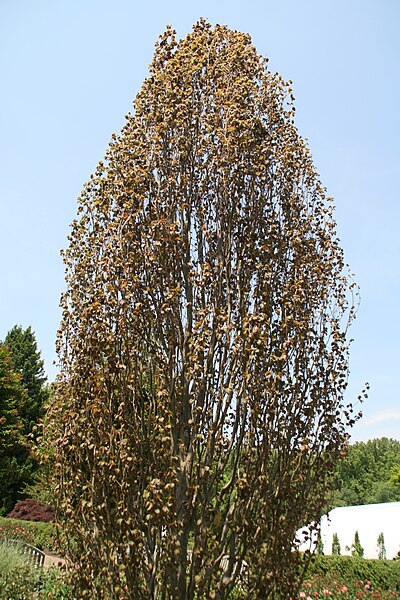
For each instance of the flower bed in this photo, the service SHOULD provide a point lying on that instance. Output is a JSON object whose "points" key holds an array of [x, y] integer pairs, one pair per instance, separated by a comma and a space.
{"points": [[350, 578], [383, 574], [324, 587]]}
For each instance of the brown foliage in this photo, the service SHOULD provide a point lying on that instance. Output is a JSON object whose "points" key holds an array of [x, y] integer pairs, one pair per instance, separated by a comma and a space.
{"points": [[203, 351]]}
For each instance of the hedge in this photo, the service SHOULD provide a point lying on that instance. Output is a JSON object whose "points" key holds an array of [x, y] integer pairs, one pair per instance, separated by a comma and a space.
{"points": [[41, 535], [384, 574]]}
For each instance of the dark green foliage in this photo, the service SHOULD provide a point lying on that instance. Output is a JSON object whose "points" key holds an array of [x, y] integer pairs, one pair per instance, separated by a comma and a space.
{"points": [[26, 360], [366, 474], [381, 573], [15, 467], [336, 544]]}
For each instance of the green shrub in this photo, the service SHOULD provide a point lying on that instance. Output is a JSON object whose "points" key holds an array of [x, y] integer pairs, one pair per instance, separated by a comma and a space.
{"points": [[384, 574], [54, 586], [19, 579], [10, 559], [41, 535]]}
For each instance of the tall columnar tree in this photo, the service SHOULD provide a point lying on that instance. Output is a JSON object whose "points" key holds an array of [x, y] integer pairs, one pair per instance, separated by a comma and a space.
{"points": [[199, 413], [14, 463], [26, 360], [381, 546], [356, 548], [336, 549]]}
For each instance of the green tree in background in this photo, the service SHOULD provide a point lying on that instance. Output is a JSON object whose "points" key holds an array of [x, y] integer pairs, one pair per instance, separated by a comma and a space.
{"points": [[335, 544], [395, 476], [26, 360], [367, 474], [356, 548], [15, 468], [320, 545], [381, 546]]}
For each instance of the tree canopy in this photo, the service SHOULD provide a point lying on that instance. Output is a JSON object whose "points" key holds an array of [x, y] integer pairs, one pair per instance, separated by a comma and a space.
{"points": [[203, 348], [366, 474], [26, 360], [25, 390], [14, 464]]}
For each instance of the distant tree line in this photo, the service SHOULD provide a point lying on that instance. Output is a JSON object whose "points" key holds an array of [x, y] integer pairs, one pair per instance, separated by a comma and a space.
{"points": [[23, 394], [369, 473]]}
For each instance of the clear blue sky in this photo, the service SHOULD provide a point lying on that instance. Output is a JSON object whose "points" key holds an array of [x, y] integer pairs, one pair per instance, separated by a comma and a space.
{"points": [[69, 72]]}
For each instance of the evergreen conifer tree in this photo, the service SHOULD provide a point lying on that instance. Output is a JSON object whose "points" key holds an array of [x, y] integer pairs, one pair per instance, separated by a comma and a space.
{"points": [[26, 360], [15, 468], [335, 544], [356, 548], [381, 546]]}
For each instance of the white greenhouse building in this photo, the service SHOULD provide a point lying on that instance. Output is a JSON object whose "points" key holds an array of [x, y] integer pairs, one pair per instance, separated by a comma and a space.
{"points": [[370, 520]]}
